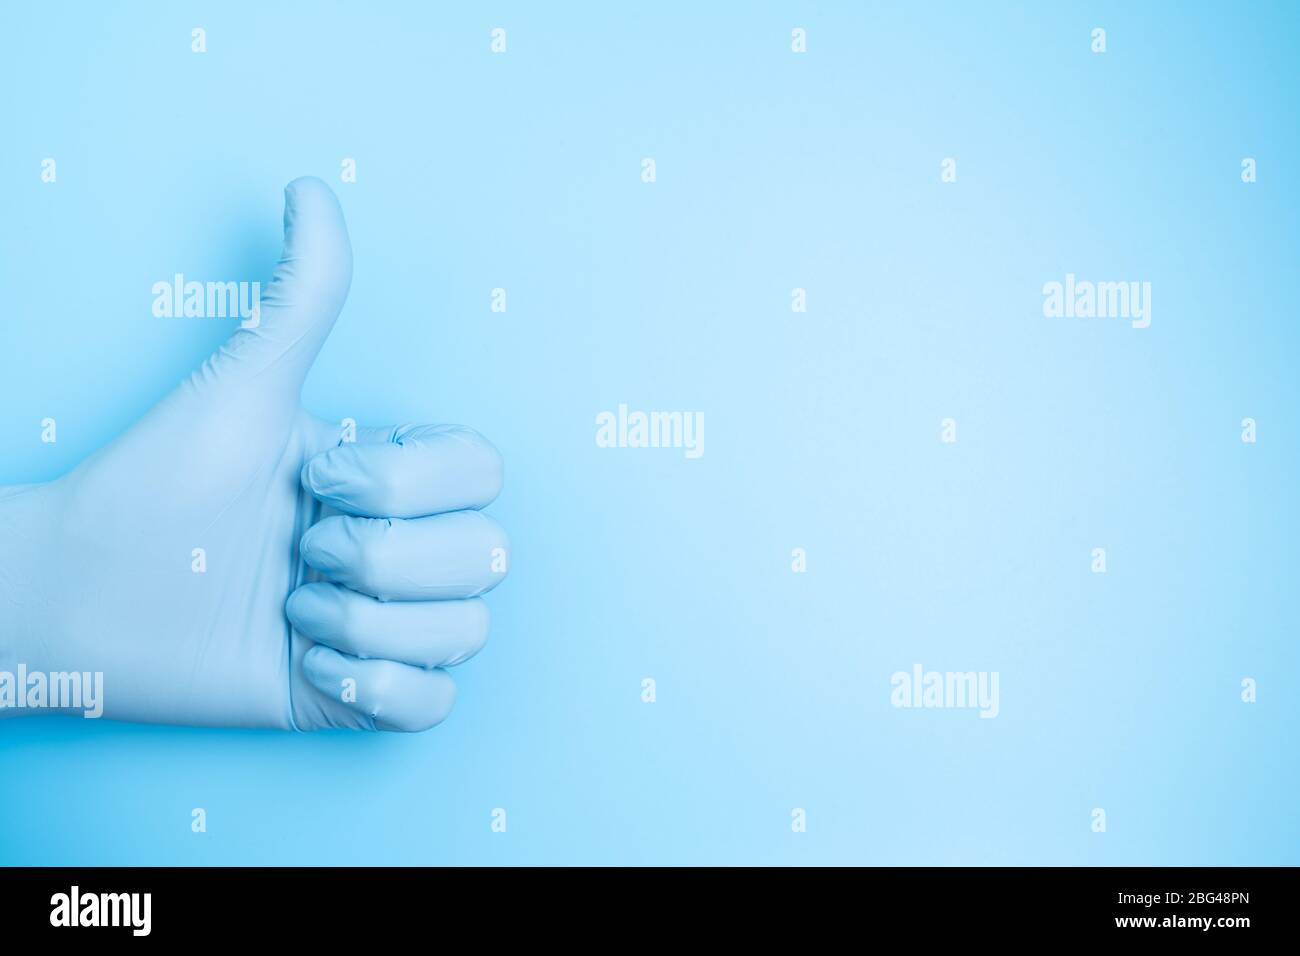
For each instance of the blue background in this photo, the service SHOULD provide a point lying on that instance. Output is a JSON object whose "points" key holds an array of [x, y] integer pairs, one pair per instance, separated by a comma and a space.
{"points": [[775, 171]]}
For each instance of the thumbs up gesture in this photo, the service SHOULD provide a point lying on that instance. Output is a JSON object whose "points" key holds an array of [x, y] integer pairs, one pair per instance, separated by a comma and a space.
{"points": [[232, 560]]}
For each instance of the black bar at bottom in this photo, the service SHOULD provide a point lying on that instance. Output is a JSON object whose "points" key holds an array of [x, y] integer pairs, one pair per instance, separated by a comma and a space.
{"points": [[338, 906]]}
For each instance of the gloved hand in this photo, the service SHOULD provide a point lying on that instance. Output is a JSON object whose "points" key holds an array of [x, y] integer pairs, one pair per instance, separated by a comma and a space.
{"points": [[232, 560]]}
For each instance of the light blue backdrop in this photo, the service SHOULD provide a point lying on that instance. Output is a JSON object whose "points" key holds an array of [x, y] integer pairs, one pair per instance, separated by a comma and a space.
{"points": [[775, 170]]}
